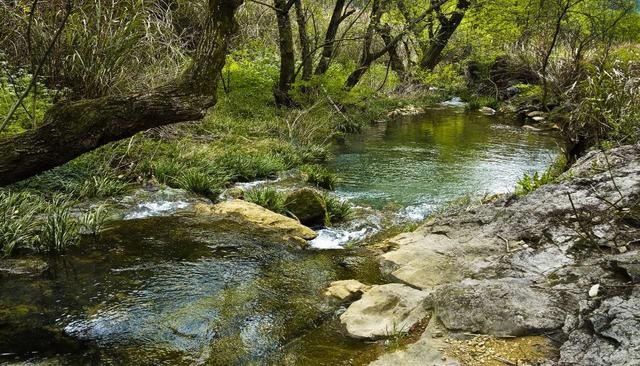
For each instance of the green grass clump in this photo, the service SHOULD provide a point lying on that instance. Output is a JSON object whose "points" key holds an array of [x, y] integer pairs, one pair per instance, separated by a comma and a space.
{"points": [[337, 210], [60, 229], [101, 187], [267, 197], [166, 171], [200, 183], [320, 177], [18, 226]]}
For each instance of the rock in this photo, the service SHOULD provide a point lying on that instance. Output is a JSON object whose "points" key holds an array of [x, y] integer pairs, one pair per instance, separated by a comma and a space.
{"points": [[308, 206], [234, 193], [501, 307], [409, 110], [347, 290], [614, 339], [427, 351], [385, 310], [264, 222], [593, 291], [487, 110], [538, 118], [532, 128], [22, 267], [535, 114]]}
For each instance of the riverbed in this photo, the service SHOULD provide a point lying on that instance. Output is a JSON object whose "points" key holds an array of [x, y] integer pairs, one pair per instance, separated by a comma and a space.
{"points": [[175, 289]]}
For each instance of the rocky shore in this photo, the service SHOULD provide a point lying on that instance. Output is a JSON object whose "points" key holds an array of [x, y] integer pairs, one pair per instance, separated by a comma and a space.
{"points": [[554, 275]]}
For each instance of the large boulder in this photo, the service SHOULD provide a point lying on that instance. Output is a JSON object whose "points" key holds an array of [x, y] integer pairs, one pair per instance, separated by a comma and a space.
{"points": [[262, 221], [502, 307], [308, 206], [384, 311]]}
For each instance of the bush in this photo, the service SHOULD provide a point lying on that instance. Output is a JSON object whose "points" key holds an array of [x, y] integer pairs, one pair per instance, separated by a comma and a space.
{"points": [[320, 177], [268, 198]]}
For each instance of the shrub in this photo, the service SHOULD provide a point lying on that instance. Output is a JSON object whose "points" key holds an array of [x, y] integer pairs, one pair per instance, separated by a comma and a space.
{"points": [[267, 197], [320, 176]]}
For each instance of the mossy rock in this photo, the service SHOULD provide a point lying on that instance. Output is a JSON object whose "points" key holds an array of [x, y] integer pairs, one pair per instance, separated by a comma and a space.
{"points": [[308, 206]]}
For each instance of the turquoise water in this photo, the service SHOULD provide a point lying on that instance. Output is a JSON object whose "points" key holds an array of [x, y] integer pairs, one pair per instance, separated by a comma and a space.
{"points": [[417, 164]]}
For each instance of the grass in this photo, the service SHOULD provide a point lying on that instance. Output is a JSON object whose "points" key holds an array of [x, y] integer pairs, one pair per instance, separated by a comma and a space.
{"points": [[267, 197], [200, 183], [337, 210], [320, 177]]}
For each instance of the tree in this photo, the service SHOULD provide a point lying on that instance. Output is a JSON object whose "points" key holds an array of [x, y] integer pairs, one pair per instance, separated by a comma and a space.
{"points": [[287, 53], [72, 129], [448, 25]]}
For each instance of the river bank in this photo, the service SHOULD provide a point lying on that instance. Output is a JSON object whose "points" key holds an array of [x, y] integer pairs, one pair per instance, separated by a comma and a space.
{"points": [[561, 263]]}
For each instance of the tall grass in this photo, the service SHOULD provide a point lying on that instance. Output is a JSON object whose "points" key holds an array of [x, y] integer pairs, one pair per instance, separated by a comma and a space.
{"points": [[267, 197], [18, 225]]}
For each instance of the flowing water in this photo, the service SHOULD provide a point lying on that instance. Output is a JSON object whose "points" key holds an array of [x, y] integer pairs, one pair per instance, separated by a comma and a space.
{"points": [[177, 290]]}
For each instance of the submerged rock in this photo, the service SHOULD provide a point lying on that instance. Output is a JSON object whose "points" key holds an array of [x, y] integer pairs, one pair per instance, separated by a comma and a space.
{"points": [[409, 110], [308, 206], [384, 311], [261, 220], [347, 290], [487, 110], [22, 267]]}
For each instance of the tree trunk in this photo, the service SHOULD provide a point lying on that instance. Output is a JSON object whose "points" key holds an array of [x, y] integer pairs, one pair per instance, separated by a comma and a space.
{"points": [[448, 26], [397, 64], [287, 55], [305, 44], [366, 58], [69, 130], [330, 38]]}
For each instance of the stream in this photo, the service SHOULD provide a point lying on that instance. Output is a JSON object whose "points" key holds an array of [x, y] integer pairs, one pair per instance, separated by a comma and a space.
{"points": [[176, 289]]}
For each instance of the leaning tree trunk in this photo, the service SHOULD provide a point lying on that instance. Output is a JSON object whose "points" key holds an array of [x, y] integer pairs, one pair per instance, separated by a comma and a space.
{"points": [[448, 26], [287, 55], [397, 65], [366, 58], [330, 37], [70, 130]]}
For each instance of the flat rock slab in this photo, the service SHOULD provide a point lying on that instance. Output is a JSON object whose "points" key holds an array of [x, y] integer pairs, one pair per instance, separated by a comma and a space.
{"points": [[268, 223], [501, 307], [347, 290], [385, 310]]}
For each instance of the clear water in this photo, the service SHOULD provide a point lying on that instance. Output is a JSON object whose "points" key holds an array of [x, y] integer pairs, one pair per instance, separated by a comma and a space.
{"points": [[414, 165], [180, 290]]}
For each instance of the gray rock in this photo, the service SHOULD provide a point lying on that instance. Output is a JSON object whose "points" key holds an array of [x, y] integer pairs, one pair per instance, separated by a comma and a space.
{"points": [[385, 310], [613, 340], [502, 307]]}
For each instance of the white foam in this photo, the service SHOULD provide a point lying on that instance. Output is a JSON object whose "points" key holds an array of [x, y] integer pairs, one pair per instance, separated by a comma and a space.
{"points": [[159, 208]]}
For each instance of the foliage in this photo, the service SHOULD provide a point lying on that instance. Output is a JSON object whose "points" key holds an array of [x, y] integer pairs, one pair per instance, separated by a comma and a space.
{"points": [[18, 226], [93, 221], [200, 183], [100, 187], [530, 182], [607, 105], [267, 197], [337, 210], [320, 177], [60, 230]]}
